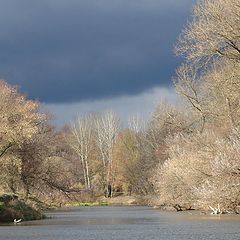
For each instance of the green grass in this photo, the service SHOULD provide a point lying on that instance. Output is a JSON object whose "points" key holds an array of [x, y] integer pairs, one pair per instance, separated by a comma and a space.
{"points": [[80, 204]]}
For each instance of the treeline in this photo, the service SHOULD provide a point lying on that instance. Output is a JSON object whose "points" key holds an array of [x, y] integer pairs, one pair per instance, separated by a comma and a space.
{"points": [[93, 156], [203, 165], [187, 156], [31, 152]]}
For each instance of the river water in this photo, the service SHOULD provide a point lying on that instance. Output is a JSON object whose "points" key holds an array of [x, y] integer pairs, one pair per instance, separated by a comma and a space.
{"points": [[124, 223]]}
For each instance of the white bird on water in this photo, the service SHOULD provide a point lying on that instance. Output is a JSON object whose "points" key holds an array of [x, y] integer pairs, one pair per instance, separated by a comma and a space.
{"points": [[17, 221]]}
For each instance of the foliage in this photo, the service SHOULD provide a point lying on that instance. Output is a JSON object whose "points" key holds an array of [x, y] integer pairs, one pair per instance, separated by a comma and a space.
{"points": [[1, 206], [19, 210]]}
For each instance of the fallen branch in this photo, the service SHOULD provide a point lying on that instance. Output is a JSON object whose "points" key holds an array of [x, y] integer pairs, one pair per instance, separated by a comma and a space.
{"points": [[215, 211]]}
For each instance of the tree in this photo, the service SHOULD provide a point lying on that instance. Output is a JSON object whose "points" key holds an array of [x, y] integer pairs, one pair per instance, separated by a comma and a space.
{"points": [[19, 122], [29, 162], [48, 165], [213, 32], [136, 123], [19, 118], [189, 85], [222, 189], [185, 169], [107, 127], [202, 167], [32, 154], [221, 86], [82, 132]]}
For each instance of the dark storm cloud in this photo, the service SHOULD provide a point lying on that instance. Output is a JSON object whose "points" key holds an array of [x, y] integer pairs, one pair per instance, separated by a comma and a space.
{"points": [[73, 50]]}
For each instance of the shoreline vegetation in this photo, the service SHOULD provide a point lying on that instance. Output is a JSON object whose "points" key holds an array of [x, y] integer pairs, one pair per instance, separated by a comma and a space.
{"points": [[185, 157], [11, 208]]}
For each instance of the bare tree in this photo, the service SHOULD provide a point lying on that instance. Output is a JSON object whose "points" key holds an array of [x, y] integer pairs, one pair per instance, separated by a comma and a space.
{"points": [[107, 126], [82, 131], [136, 123], [213, 32], [19, 123], [184, 170], [221, 86], [202, 168], [189, 85], [19, 118], [223, 188]]}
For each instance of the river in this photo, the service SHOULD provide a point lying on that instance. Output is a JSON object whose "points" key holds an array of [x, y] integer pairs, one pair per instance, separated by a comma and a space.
{"points": [[125, 223]]}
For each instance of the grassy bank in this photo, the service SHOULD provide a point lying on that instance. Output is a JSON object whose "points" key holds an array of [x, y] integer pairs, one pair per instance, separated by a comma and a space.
{"points": [[126, 200], [86, 204], [11, 209], [114, 201]]}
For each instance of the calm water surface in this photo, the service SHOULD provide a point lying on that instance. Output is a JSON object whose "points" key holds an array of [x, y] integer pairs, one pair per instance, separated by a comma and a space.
{"points": [[128, 223]]}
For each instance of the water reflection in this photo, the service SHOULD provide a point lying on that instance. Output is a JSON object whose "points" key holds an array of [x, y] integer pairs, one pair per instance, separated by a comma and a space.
{"points": [[117, 223]]}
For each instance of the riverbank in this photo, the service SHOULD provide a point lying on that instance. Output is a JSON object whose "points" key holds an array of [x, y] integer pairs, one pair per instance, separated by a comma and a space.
{"points": [[12, 208], [122, 200], [126, 200], [150, 201]]}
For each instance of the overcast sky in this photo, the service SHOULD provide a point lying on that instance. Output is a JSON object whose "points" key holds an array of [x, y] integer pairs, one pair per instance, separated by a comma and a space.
{"points": [[80, 56]]}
